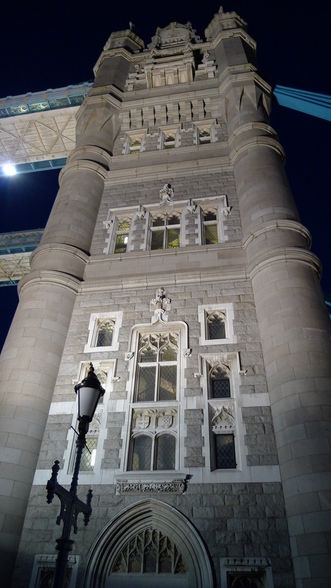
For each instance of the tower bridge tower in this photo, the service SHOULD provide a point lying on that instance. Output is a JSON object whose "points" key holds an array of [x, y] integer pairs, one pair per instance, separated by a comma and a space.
{"points": [[175, 261]]}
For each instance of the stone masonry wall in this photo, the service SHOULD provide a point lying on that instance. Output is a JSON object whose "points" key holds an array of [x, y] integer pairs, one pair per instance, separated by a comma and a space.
{"points": [[234, 520]]}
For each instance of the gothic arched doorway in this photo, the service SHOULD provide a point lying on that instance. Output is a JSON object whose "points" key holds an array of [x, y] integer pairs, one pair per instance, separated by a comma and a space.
{"points": [[147, 543]]}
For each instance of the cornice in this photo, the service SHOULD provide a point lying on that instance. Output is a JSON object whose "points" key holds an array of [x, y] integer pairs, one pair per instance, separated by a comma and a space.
{"points": [[45, 277], [283, 224], [83, 164], [281, 255], [259, 141]]}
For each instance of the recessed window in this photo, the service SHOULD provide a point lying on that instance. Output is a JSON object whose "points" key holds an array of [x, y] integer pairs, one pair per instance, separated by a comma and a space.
{"points": [[204, 135], [219, 383], [165, 230], [135, 145], [169, 141], [156, 376], [104, 332], [148, 453], [224, 451], [210, 235], [215, 322], [122, 235], [246, 579]]}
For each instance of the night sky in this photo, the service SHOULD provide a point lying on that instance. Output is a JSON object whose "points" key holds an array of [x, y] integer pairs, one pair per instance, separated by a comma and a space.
{"points": [[57, 44]]}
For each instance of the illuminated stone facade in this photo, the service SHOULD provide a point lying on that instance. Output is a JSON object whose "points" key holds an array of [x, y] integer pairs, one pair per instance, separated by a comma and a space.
{"points": [[175, 261]]}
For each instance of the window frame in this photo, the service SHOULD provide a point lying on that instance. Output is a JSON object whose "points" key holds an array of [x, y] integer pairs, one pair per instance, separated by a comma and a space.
{"points": [[95, 317], [227, 309], [165, 228], [153, 455], [246, 564]]}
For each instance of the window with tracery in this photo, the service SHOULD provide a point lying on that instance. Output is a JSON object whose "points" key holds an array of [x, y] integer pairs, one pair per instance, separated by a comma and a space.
{"points": [[104, 332], [224, 451], [149, 552], [215, 323], [246, 579], [156, 373], [218, 381], [165, 230]]}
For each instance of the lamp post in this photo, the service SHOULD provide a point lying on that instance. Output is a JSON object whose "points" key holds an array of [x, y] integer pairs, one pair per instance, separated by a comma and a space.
{"points": [[88, 392]]}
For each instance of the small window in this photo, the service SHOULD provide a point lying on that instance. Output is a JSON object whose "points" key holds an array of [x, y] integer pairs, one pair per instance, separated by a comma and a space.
{"points": [[89, 454], [210, 235], [219, 383], [215, 323], [224, 452], [135, 145], [165, 231], [204, 135], [148, 454], [122, 235], [104, 332], [169, 141]]}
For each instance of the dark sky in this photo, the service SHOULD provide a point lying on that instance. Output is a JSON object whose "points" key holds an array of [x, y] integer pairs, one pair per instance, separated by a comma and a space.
{"points": [[56, 44]]}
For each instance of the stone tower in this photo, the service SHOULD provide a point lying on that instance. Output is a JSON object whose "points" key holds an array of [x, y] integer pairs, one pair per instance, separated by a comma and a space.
{"points": [[173, 259]]}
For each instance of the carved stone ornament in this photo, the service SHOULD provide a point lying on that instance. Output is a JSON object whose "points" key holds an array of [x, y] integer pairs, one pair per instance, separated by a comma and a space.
{"points": [[141, 212], [129, 355], [167, 194], [95, 424], [191, 206], [142, 487], [108, 223], [226, 211], [160, 305], [187, 352], [142, 421], [165, 421], [223, 420]]}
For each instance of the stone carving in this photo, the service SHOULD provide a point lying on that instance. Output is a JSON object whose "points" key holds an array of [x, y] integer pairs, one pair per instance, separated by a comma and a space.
{"points": [[129, 355], [223, 419], [141, 212], [166, 194], [187, 352], [95, 424], [142, 421], [226, 211], [191, 206], [165, 421], [172, 35], [141, 487], [160, 305]]}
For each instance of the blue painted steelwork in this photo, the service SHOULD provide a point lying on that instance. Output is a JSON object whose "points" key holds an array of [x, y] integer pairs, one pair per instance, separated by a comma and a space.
{"points": [[20, 241], [36, 166], [309, 102], [328, 305], [45, 100]]}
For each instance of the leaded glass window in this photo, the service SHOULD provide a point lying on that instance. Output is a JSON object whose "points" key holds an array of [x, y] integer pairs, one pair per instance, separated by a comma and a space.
{"points": [[122, 235], [219, 383], [215, 323], [165, 230], [156, 375], [224, 451], [210, 235], [149, 552], [150, 453], [89, 454], [104, 332]]}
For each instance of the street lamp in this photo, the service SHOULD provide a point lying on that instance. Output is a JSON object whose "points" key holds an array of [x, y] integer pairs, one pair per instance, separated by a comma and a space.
{"points": [[88, 391]]}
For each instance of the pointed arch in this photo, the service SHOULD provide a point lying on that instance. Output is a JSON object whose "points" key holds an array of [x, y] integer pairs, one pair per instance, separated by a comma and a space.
{"points": [[148, 515]]}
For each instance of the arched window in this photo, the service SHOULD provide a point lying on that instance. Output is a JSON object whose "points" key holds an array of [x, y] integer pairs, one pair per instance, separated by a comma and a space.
{"points": [[215, 325], [152, 453], [219, 382]]}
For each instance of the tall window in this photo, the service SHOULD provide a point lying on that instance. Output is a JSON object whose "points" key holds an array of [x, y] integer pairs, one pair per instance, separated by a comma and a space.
{"points": [[210, 235], [165, 230], [156, 375], [122, 235]]}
